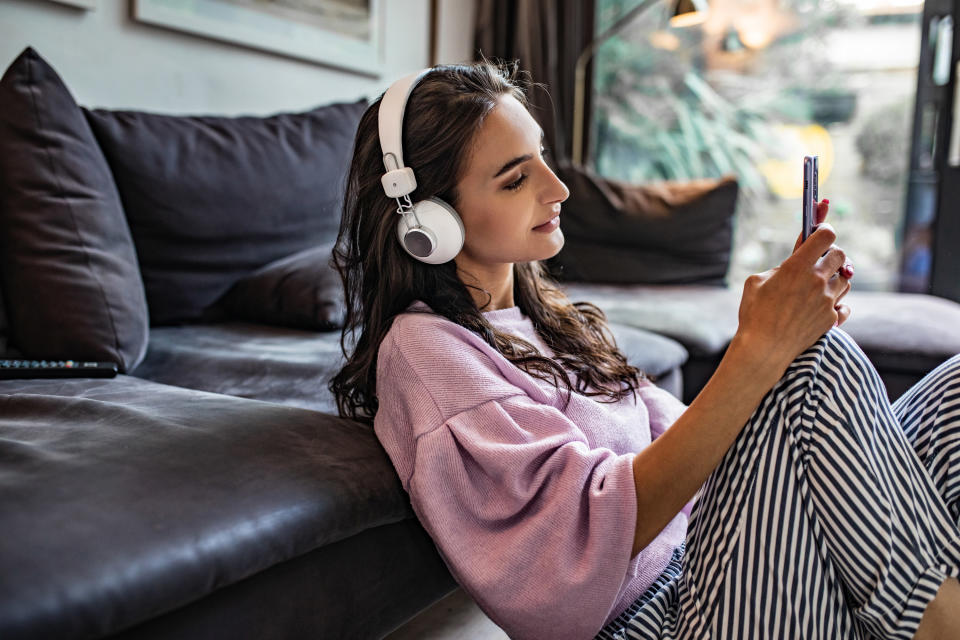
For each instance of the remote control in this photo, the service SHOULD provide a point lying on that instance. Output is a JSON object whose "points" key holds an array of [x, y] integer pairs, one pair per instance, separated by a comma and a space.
{"points": [[10, 369]]}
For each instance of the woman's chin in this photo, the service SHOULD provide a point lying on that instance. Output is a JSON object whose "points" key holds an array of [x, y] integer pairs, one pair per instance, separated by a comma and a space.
{"points": [[556, 244]]}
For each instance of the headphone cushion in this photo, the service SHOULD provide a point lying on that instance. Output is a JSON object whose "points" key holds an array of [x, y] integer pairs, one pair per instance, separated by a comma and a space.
{"points": [[442, 222]]}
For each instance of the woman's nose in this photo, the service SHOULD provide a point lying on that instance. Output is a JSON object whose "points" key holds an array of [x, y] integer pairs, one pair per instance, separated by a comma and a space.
{"points": [[556, 191]]}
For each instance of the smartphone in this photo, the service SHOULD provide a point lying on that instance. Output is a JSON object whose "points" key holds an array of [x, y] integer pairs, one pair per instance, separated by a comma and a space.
{"points": [[811, 195]]}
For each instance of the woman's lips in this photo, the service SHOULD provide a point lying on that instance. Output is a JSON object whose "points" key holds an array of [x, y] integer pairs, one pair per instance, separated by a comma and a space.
{"points": [[549, 225]]}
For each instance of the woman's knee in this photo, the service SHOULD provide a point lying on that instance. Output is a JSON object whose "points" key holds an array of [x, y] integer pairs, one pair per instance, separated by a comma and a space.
{"points": [[948, 372], [835, 354], [833, 370]]}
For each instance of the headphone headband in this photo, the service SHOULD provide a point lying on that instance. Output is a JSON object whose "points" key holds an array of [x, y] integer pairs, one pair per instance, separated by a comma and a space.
{"points": [[392, 109]]}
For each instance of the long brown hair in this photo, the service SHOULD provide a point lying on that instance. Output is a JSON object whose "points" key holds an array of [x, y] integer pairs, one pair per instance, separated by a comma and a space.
{"points": [[381, 280]]}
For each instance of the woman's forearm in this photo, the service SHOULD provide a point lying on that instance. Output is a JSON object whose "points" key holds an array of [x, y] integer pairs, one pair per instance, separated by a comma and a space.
{"points": [[783, 311], [670, 471]]}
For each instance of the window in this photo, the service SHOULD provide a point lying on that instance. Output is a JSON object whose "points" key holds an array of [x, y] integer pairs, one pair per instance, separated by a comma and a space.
{"points": [[753, 89]]}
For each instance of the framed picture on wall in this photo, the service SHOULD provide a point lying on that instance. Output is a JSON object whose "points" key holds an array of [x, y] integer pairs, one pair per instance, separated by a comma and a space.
{"points": [[83, 4], [340, 33]]}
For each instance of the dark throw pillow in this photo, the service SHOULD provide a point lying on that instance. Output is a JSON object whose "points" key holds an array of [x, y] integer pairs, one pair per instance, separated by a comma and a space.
{"points": [[211, 199], [5, 349], [302, 291], [68, 265], [660, 233]]}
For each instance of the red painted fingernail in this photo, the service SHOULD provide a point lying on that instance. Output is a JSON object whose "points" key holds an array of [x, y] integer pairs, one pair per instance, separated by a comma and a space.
{"points": [[825, 201]]}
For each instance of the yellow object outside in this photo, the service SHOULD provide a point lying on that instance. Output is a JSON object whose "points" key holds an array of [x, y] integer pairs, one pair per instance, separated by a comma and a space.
{"points": [[784, 174]]}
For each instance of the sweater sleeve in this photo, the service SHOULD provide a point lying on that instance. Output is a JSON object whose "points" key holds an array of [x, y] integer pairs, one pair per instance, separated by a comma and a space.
{"points": [[662, 407], [533, 523]]}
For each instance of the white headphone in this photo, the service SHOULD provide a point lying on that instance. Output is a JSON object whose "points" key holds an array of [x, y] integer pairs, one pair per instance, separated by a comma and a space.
{"points": [[429, 230]]}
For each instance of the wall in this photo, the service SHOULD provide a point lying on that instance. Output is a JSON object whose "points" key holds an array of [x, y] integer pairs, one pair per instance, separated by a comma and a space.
{"points": [[107, 59], [456, 21]]}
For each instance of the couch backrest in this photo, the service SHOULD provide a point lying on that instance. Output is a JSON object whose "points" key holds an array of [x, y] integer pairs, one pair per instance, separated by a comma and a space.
{"points": [[211, 199]]}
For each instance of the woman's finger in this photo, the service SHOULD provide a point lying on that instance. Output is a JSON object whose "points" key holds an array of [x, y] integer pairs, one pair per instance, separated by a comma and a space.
{"points": [[823, 207], [843, 312], [832, 261], [816, 245], [839, 287]]}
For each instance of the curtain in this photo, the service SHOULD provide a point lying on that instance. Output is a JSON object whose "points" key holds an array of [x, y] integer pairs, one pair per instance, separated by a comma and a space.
{"points": [[546, 36]]}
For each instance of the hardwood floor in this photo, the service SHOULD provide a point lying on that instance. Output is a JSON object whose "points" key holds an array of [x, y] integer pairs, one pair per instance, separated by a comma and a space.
{"points": [[456, 617]]}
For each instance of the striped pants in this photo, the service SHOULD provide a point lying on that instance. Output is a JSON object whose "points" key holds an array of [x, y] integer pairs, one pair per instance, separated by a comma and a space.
{"points": [[833, 514]]}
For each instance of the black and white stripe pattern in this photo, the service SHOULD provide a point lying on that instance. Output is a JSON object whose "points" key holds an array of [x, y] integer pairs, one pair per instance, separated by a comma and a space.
{"points": [[833, 514]]}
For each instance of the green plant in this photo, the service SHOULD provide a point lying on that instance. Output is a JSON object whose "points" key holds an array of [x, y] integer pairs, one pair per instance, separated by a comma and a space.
{"points": [[680, 132], [657, 117]]}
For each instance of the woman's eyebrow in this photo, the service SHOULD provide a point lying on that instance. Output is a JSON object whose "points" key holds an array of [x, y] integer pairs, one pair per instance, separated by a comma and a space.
{"points": [[512, 163]]}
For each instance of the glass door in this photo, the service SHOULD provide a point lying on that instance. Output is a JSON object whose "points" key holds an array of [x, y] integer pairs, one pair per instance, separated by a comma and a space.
{"points": [[753, 89]]}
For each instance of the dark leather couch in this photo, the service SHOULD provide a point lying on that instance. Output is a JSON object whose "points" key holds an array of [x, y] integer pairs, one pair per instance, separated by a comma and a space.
{"points": [[209, 490]]}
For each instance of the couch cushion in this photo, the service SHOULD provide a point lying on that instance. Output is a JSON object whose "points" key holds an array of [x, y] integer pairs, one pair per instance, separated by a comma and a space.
{"points": [[659, 233], [211, 199], [68, 266], [293, 367], [653, 354], [658, 357], [899, 331], [905, 335], [701, 318], [273, 364], [124, 499], [302, 291], [907, 332]]}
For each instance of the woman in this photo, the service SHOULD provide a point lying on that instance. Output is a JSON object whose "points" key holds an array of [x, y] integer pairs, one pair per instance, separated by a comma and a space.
{"points": [[540, 461]]}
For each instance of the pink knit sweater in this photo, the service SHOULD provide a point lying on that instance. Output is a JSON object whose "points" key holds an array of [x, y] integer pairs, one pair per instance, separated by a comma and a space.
{"points": [[532, 507]]}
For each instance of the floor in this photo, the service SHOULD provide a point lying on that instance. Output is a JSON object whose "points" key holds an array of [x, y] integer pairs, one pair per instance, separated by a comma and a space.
{"points": [[456, 617]]}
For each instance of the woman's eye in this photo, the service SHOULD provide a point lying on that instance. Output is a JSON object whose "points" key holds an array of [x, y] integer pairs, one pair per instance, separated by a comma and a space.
{"points": [[513, 186], [516, 184]]}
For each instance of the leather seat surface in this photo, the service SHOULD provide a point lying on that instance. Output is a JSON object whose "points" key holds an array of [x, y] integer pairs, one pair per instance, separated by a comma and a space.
{"points": [[122, 499]]}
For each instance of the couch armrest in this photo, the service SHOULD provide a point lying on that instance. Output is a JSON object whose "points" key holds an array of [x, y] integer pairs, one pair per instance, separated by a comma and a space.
{"points": [[658, 357], [701, 318]]}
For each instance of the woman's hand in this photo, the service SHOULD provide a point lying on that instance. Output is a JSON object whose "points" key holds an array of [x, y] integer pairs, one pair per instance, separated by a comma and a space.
{"points": [[786, 309]]}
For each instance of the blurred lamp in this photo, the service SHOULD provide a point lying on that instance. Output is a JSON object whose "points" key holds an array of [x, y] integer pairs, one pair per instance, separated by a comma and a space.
{"points": [[687, 13], [684, 13]]}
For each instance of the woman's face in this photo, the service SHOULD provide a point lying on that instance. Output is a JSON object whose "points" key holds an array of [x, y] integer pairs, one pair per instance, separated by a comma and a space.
{"points": [[509, 199]]}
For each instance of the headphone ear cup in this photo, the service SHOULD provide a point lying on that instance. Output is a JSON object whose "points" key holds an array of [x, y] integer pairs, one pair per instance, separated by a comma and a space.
{"points": [[440, 235]]}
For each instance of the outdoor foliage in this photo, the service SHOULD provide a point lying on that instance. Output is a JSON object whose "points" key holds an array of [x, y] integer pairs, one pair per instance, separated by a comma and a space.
{"points": [[656, 117]]}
